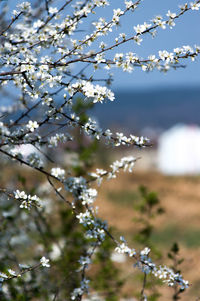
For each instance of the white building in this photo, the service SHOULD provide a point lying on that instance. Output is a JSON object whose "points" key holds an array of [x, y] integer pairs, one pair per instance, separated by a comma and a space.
{"points": [[179, 150]]}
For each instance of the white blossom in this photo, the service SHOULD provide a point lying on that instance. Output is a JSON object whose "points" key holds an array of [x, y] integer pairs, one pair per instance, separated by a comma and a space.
{"points": [[44, 262], [27, 201], [58, 173], [85, 218], [20, 194], [32, 125], [194, 5]]}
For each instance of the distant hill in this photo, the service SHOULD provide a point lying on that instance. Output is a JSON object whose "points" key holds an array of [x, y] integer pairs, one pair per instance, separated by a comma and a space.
{"points": [[156, 108]]}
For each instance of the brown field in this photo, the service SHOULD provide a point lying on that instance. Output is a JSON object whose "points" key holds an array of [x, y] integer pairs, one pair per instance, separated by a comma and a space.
{"points": [[180, 198]]}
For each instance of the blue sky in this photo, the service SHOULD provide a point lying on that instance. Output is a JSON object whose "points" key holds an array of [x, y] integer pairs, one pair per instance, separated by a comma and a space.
{"points": [[186, 32]]}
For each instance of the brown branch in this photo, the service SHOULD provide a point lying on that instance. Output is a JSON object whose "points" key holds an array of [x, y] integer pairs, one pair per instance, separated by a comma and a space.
{"points": [[53, 15], [27, 164], [13, 20]]}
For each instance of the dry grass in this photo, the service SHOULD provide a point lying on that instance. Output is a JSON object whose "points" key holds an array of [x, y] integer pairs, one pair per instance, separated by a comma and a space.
{"points": [[180, 197]]}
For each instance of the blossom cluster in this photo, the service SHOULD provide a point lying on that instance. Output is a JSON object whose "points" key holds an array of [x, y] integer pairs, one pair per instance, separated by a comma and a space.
{"points": [[59, 138], [97, 92], [27, 201], [58, 172], [80, 290], [92, 129], [126, 163], [35, 160], [145, 263], [124, 249], [163, 62], [10, 274]]}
